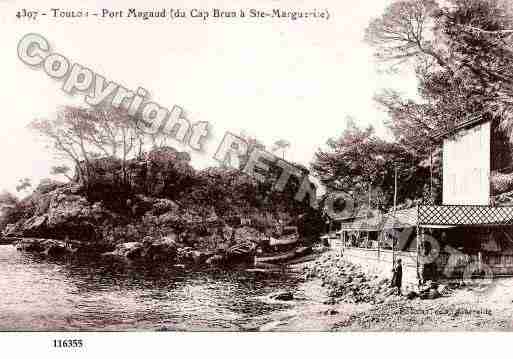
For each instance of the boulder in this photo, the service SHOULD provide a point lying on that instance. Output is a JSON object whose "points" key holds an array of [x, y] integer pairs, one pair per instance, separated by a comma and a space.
{"points": [[48, 247], [198, 257], [392, 291], [31, 245], [169, 218], [12, 230], [162, 205], [411, 295], [59, 214], [285, 296], [163, 249], [48, 185], [34, 226], [192, 256], [57, 249], [129, 250], [430, 294], [331, 312], [141, 205], [390, 299], [215, 260]]}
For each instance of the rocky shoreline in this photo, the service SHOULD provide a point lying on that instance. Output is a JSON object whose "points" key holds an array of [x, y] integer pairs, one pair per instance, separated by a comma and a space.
{"points": [[350, 283], [150, 251], [155, 208], [338, 296], [333, 295]]}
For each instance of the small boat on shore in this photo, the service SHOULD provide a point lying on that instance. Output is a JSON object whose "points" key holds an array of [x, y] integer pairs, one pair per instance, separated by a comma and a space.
{"points": [[274, 257], [284, 240], [282, 249]]}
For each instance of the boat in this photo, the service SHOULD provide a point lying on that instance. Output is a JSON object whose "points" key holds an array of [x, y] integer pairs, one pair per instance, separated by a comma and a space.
{"points": [[242, 250], [274, 257], [290, 236], [276, 250], [285, 240]]}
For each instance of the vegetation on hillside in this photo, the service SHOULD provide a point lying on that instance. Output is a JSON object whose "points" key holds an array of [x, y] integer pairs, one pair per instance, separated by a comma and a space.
{"points": [[461, 53], [127, 187]]}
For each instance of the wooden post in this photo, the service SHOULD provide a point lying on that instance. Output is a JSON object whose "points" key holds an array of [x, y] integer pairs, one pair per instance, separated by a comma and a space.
{"points": [[393, 250], [370, 196], [380, 236], [395, 207], [420, 238], [395, 190], [431, 176]]}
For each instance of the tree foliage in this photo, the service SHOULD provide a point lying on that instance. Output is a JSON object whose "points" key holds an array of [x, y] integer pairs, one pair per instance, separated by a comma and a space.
{"points": [[462, 56], [359, 162], [23, 184], [82, 135], [61, 170]]}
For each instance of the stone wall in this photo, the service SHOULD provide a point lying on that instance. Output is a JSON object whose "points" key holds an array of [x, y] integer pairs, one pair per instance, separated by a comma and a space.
{"points": [[380, 262]]}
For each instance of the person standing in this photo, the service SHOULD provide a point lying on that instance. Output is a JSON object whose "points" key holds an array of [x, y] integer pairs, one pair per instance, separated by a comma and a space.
{"points": [[397, 276]]}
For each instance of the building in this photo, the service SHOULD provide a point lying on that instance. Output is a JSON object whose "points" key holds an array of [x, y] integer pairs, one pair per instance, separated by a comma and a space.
{"points": [[469, 234]]}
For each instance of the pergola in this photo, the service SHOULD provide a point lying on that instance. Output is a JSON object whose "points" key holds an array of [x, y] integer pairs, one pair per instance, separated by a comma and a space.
{"points": [[429, 216], [424, 217]]}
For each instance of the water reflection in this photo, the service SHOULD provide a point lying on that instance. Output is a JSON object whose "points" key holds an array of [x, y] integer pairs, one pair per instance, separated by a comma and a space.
{"points": [[37, 294]]}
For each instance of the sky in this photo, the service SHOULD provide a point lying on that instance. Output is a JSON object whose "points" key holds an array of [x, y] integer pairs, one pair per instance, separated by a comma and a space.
{"points": [[271, 79]]}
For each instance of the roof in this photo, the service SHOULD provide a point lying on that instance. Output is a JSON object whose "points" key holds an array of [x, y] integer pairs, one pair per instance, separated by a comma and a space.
{"points": [[459, 215], [435, 217], [462, 125]]}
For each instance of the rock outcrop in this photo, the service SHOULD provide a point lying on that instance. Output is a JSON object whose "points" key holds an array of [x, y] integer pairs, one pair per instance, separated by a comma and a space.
{"points": [[347, 283], [60, 214], [162, 250], [153, 208], [47, 247]]}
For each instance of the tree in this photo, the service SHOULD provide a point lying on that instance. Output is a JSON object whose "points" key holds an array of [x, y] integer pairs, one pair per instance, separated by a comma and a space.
{"points": [[24, 184], [461, 54], [82, 135], [7, 200], [360, 160], [61, 170], [10, 210], [402, 32]]}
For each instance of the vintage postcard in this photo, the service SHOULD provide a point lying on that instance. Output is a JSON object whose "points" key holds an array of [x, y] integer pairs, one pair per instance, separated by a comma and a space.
{"points": [[265, 166]]}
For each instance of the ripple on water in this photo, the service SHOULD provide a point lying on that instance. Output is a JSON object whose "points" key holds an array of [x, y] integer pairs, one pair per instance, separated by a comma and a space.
{"points": [[37, 294]]}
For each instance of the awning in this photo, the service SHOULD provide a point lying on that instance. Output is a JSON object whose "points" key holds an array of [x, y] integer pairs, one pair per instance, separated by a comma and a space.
{"points": [[434, 217], [465, 216]]}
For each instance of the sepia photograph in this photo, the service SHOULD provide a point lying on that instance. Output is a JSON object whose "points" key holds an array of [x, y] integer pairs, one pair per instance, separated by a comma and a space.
{"points": [[274, 166]]}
